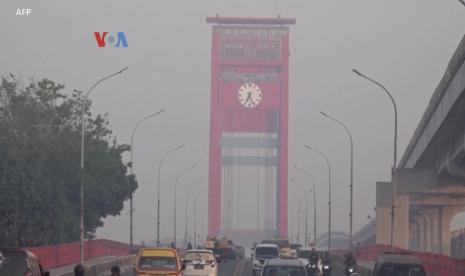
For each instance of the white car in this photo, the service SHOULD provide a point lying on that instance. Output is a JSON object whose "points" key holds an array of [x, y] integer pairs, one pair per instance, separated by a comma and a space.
{"points": [[263, 252], [199, 263]]}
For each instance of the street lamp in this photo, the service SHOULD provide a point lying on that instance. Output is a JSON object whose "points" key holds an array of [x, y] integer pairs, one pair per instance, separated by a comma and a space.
{"points": [[394, 165], [314, 200], [299, 203], [83, 122], [175, 197], [187, 203], [329, 188], [158, 188], [199, 193], [131, 200], [351, 175], [300, 185]]}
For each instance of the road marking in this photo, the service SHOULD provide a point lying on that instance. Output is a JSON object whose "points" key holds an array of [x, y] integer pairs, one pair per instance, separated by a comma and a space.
{"points": [[238, 269], [242, 267]]}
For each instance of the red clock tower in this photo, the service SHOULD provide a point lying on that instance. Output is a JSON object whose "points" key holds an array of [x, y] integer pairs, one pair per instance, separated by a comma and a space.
{"points": [[249, 115]]}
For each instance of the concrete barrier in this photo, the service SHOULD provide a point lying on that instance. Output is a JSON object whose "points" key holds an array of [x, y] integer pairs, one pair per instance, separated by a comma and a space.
{"points": [[101, 269]]}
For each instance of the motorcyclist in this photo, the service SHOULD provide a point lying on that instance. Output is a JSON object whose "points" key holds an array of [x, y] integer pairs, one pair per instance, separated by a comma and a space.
{"points": [[313, 259], [326, 258], [115, 271], [350, 262], [326, 261], [79, 270]]}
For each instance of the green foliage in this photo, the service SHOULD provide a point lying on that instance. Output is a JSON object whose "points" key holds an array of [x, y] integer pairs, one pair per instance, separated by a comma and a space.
{"points": [[40, 165]]}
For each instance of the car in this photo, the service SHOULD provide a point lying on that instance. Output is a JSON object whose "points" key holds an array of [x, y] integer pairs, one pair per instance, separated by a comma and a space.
{"points": [[20, 262], [263, 252], [397, 263], [157, 261], [277, 267], [199, 263]]}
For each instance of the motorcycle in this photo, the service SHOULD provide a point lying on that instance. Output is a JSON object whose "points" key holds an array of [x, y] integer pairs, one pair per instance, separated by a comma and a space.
{"points": [[326, 269], [313, 269], [351, 271]]}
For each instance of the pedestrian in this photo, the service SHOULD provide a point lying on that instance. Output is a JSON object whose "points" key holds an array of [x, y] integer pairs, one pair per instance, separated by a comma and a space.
{"points": [[115, 271], [79, 270]]}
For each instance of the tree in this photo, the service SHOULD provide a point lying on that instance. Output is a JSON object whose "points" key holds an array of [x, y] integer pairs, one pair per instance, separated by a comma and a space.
{"points": [[39, 165]]}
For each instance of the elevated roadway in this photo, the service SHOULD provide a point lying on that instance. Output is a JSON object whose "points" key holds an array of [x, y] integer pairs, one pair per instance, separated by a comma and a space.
{"points": [[431, 174]]}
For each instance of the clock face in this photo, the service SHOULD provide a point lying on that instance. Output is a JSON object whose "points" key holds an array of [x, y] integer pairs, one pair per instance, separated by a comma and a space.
{"points": [[249, 95]]}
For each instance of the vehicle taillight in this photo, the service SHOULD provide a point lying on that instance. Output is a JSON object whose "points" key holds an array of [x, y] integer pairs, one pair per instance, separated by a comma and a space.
{"points": [[27, 274], [213, 264]]}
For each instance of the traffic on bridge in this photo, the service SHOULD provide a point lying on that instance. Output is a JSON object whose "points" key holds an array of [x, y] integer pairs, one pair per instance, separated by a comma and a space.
{"points": [[232, 138]]}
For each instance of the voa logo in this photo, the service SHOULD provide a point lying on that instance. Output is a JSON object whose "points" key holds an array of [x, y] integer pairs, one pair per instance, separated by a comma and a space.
{"points": [[105, 39]]}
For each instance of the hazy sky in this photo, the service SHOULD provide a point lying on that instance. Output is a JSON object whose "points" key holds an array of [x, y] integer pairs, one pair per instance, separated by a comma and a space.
{"points": [[404, 44]]}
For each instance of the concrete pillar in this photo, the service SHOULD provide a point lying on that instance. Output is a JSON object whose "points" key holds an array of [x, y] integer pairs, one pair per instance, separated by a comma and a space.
{"points": [[415, 233], [383, 216], [425, 232], [401, 230], [433, 214], [383, 225], [441, 218], [383, 212]]}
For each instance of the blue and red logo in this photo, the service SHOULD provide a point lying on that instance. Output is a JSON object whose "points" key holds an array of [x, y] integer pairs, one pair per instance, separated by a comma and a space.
{"points": [[106, 39]]}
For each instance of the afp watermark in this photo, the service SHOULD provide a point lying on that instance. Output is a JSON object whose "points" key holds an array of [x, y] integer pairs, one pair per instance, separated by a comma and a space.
{"points": [[23, 12]]}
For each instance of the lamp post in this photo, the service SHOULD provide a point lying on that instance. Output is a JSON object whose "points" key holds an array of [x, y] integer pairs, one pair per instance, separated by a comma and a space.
{"points": [[314, 200], [329, 194], [83, 180], [351, 214], [394, 165], [175, 197], [131, 200], [187, 204], [300, 185], [299, 204], [158, 188], [199, 193]]}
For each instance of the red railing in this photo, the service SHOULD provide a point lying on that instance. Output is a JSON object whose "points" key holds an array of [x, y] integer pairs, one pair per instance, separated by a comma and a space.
{"points": [[434, 264], [68, 253]]}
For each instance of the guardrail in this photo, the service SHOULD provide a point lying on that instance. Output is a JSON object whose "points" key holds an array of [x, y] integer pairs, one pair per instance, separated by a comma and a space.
{"points": [[68, 253], [434, 264]]}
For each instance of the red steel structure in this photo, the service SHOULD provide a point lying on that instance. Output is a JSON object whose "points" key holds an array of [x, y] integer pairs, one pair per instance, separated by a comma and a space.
{"points": [[249, 110]]}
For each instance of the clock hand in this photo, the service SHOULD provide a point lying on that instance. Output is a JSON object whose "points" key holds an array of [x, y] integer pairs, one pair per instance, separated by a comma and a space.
{"points": [[249, 97]]}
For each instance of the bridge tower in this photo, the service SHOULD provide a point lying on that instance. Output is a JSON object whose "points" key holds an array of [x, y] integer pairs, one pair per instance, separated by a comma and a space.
{"points": [[249, 121]]}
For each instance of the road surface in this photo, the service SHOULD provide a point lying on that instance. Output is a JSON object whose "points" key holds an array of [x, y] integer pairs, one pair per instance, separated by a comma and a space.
{"points": [[243, 268]]}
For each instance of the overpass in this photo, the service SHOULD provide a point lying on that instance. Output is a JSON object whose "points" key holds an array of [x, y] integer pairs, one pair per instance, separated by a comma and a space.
{"points": [[431, 173]]}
